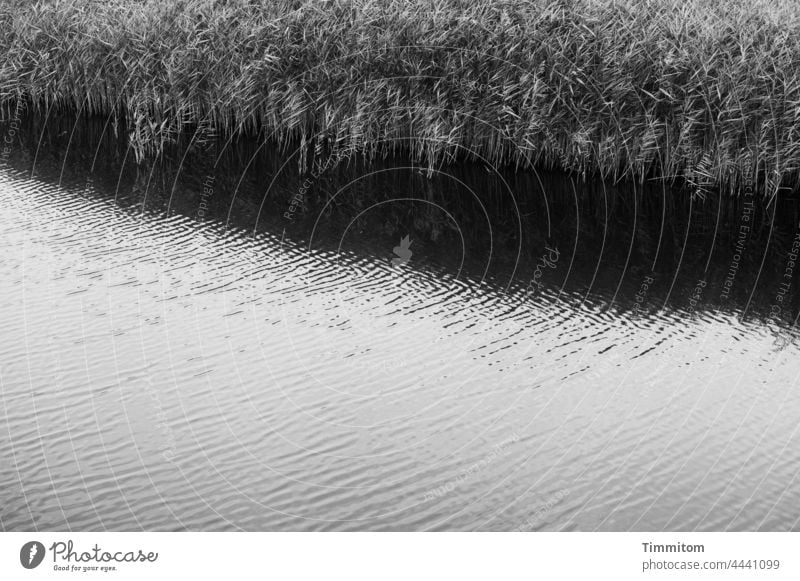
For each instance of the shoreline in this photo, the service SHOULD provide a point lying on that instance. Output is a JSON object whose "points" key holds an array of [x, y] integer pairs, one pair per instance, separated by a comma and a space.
{"points": [[695, 94]]}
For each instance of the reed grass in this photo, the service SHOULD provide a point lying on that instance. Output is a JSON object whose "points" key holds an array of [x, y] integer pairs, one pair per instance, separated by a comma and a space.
{"points": [[701, 91]]}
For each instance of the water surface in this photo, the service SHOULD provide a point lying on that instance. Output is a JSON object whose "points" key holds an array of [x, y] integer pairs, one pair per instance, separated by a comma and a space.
{"points": [[541, 354]]}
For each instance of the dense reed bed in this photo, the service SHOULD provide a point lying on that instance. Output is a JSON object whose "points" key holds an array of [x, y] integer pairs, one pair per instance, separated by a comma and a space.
{"points": [[700, 91]]}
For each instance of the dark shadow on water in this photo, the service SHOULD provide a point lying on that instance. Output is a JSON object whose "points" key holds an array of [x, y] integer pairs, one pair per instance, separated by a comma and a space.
{"points": [[626, 248]]}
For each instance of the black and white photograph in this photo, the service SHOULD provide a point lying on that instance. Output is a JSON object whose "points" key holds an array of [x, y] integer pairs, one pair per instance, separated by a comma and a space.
{"points": [[400, 266]]}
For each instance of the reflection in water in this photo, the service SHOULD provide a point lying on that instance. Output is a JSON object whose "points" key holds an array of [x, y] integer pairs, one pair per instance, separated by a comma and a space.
{"points": [[217, 342]]}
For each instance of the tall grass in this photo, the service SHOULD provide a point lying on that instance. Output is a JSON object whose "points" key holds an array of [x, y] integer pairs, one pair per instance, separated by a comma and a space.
{"points": [[703, 91]]}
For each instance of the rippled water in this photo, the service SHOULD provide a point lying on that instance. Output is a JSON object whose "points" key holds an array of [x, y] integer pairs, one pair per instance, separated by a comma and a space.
{"points": [[177, 353]]}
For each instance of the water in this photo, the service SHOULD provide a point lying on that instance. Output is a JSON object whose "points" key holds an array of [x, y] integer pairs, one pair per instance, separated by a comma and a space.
{"points": [[540, 354]]}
